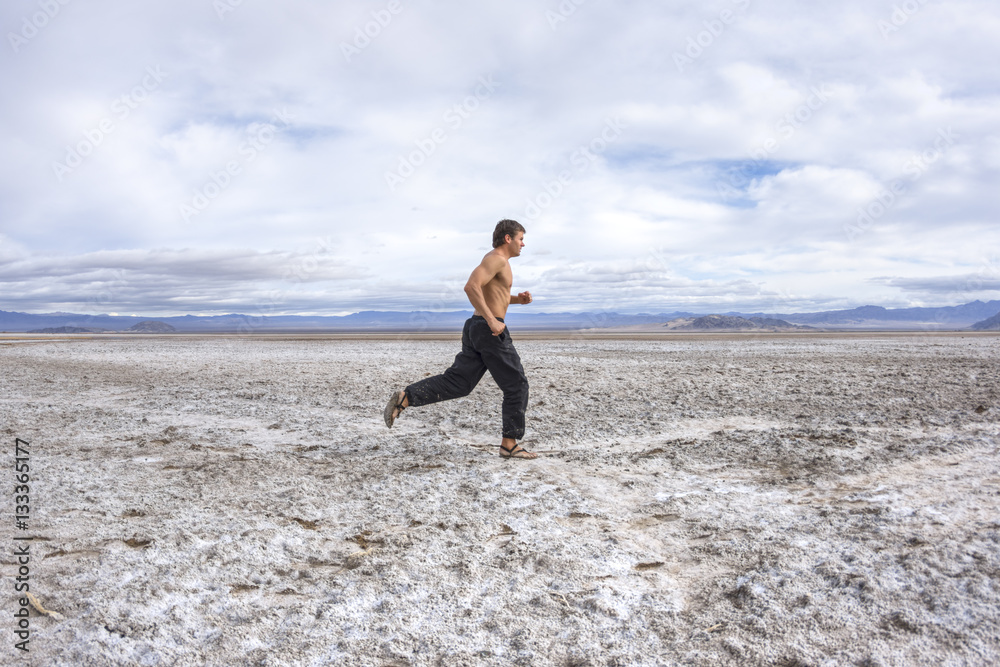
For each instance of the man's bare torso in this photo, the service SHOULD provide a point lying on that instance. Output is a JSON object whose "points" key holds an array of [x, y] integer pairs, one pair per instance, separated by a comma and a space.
{"points": [[497, 291]]}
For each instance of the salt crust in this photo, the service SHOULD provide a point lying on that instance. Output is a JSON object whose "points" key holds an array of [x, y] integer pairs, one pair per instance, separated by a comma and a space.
{"points": [[750, 502]]}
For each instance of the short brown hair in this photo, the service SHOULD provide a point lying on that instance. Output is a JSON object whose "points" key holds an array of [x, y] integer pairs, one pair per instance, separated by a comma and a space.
{"points": [[503, 228]]}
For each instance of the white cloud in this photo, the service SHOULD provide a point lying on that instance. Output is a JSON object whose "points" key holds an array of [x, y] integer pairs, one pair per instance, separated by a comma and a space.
{"points": [[809, 115]]}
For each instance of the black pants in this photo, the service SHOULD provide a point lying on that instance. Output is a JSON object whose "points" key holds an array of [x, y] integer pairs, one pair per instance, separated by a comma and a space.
{"points": [[481, 351]]}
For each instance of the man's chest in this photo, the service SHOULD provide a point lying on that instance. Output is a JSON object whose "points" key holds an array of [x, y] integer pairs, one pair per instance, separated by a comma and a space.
{"points": [[504, 278]]}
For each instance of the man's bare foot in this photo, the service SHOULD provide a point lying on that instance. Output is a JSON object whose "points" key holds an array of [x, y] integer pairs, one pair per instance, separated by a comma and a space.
{"points": [[396, 403], [515, 452]]}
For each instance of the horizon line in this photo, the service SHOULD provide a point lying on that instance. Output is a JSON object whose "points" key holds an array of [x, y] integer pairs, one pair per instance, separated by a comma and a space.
{"points": [[469, 309]]}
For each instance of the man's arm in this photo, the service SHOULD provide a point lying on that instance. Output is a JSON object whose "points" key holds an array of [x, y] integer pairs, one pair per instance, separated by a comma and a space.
{"points": [[482, 274], [522, 297]]}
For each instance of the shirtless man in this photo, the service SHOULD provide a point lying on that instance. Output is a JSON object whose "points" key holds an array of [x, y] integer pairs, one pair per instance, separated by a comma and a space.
{"points": [[486, 345]]}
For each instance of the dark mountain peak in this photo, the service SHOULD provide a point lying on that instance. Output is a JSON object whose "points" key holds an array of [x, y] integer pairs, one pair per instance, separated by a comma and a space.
{"points": [[151, 326], [989, 324], [730, 323]]}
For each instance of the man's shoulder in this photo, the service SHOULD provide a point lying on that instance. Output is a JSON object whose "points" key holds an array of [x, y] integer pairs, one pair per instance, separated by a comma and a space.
{"points": [[493, 260]]}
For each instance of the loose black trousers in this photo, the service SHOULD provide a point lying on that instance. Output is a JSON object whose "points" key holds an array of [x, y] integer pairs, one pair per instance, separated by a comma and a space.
{"points": [[481, 351]]}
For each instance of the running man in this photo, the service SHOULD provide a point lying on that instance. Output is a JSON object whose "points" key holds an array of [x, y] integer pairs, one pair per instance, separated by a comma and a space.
{"points": [[486, 345]]}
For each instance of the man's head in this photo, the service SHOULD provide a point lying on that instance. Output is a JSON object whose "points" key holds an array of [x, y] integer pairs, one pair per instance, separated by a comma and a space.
{"points": [[505, 229]]}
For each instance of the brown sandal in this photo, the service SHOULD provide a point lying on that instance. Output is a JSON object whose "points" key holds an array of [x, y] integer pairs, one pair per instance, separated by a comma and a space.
{"points": [[516, 453], [395, 403]]}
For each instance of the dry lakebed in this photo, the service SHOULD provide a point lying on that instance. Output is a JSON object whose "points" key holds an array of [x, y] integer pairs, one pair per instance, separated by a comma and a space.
{"points": [[799, 499]]}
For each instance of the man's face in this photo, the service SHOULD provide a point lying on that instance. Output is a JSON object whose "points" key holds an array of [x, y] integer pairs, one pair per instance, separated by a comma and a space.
{"points": [[515, 243]]}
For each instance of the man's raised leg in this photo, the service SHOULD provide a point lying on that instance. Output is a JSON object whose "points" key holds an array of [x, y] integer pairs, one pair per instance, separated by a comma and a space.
{"points": [[457, 381]]}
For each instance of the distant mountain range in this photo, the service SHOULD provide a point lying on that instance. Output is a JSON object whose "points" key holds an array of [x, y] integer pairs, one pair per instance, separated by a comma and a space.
{"points": [[732, 323], [876, 316], [866, 317], [147, 326]]}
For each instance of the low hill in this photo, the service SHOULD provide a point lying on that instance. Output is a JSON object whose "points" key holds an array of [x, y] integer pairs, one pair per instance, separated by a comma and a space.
{"points": [[989, 324], [69, 330], [731, 323], [151, 326]]}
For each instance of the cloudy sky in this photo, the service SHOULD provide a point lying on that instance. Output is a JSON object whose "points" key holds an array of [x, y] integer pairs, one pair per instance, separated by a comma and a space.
{"points": [[215, 156]]}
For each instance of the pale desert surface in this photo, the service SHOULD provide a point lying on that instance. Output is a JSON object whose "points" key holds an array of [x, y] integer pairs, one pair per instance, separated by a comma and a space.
{"points": [[742, 500]]}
